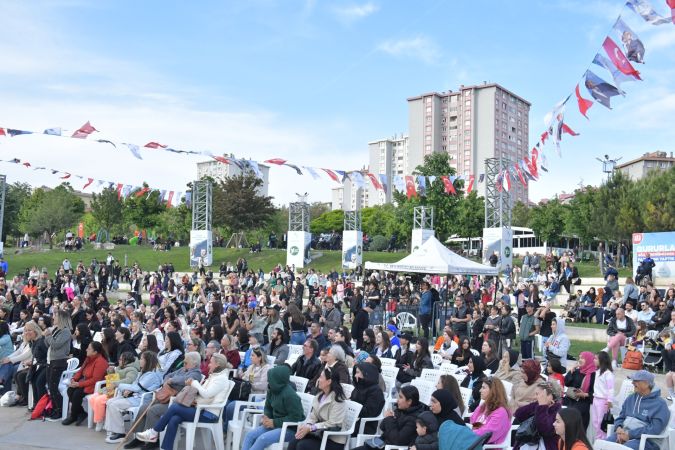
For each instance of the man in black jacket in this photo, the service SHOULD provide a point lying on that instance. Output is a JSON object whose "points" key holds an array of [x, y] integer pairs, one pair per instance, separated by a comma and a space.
{"points": [[308, 365]]}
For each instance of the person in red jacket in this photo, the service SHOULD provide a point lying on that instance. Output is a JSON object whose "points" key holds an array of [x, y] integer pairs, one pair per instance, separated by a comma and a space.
{"points": [[93, 369]]}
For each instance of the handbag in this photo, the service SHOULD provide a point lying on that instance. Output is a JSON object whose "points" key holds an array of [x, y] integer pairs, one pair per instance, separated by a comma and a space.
{"points": [[632, 360], [241, 390], [186, 396], [607, 419], [164, 394], [527, 432], [572, 393]]}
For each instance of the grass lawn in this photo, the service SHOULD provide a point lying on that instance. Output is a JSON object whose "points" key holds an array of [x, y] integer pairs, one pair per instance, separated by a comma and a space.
{"points": [[589, 269], [150, 260], [585, 325]]}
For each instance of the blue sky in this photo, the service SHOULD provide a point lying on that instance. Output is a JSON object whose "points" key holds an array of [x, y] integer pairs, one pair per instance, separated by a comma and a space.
{"points": [[311, 81]]}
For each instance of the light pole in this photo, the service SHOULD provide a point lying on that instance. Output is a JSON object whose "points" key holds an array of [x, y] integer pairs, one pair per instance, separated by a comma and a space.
{"points": [[609, 165]]}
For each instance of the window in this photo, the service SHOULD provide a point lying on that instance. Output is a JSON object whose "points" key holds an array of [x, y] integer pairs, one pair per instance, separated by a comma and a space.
{"points": [[467, 102], [427, 100], [467, 123], [427, 137], [427, 128]]}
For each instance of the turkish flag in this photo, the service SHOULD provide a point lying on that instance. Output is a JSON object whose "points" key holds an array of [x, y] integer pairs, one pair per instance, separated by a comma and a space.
{"points": [[520, 175], [84, 131], [221, 159], [566, 129], [671, 5], [544, 136], [119, 191], [333, 176], [449, 187], [375, 181], [2, 132], [469, 188], [277, 161], [142, 191], [154, 145], [531, 167], [89, 181], [619, 59], [584, 104], [410, 186], [169, 200]]}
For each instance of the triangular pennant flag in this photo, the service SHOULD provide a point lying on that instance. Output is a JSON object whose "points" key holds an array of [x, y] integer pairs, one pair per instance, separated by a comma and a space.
{"points": [[601, 90], [161, 196], [142, 191], [333, 176], [84, 131], [312, 172], [88, 183], [176, 198], [374, 181], [103, 141], [584, 104], [645, 10], [544, 136], [277, 161], [619, 59], [342, 174], [154, 145], [255, 168], [618, 77], [422, 184], [133, 148], [169, 199], [499, 182], [13, 132], [671, 5], [431, 179], [449, 187], [188, 199], [481, 178], [635, 49], [469, 188], [66, 176], [566, 129], [410, 186], [221, 159], [297, 169], [520, 175], [120, 186], [383, 182], [126, 190], [53, 131], [358, 179]]}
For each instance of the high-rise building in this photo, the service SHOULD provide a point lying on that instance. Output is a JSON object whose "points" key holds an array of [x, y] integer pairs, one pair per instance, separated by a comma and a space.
{"points": [[219, 171], [471, 125]]}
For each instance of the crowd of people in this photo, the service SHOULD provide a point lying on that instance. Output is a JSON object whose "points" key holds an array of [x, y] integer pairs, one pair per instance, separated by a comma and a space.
{"points": [[211, 333]]}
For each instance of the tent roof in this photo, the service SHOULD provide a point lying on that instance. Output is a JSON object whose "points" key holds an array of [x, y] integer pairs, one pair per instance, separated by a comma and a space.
{"points": [[434, 257]]}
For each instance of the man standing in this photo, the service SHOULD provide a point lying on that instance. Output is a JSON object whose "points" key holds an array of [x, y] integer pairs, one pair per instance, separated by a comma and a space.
{"points": [[528, 329], [331, 317], [526, 265], [426, 304], [460, 317]]}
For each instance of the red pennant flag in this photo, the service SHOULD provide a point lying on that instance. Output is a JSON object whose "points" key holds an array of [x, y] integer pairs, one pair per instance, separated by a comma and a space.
{"points": [[544, 136], [530, 167], [84, 131], [671, 5], [520, 175], [154, 145], [119, 191], [169, 200], [333, 176], [27, 164], [499, 183], [2, 132], [410, 186], [469, 188], [375, 181], [507, 181], [66, 176], [142, 191], [222, 159], [277, 161], [619, 59], [584, 104], [449, 186], [566, 129], [89, 181], [534, 170]]}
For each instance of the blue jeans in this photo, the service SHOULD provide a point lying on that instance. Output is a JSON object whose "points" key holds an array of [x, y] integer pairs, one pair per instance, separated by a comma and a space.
{"points": [[298, 338], [262, 437], [175, 415], [633, 443], [7, 372]]}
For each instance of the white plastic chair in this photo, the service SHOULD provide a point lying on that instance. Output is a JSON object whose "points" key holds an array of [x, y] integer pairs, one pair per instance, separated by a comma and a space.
{"points": [[90, 412], [448, 368], [437, 360], [625, 390], [300, 383], [390, 371], [363, 421], [606, 445], [431, 375], [66, 376], [475, 352], [425, 388], [506, 445], [307, 401], [236, 426], [466, 398], [348, 389], [351, 415], [270, 359], [508, 387], [387, 362], [215, 428], [405, 320], [294, 350]]}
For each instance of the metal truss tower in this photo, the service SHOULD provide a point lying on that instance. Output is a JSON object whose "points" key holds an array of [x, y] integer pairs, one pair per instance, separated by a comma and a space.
{"points": [[498, 203], [423, 218], [201, 205], [352, 220]]}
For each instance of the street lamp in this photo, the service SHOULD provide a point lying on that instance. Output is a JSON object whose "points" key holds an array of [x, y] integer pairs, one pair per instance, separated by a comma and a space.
{"points": [[609, 165]]}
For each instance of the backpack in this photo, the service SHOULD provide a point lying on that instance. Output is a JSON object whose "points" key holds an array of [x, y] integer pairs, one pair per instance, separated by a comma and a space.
{"points": [[632, 360], [42, 408]]}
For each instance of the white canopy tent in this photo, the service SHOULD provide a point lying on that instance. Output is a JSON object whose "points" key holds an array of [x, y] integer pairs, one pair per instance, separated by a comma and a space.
{"points": [[434, 257]]}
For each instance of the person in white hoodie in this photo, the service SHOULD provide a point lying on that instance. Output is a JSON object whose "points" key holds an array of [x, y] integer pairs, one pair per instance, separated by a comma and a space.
{"points": [[603, 392], [215, 389], [558, 344]]}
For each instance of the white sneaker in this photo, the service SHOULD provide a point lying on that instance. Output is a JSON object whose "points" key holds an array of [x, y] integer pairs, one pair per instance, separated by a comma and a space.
{"points": [[614, 365], [99, 426], [148, 435]]}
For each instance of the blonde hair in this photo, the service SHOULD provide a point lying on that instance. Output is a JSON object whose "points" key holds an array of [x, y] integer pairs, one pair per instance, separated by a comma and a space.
{"points": [[31, 326], [62, 319]]}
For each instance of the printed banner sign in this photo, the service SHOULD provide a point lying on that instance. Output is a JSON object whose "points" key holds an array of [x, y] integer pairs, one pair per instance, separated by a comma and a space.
{"points": [[661, 248], [419, 237], [352, 249], [297, 250], [201, 248], [499, 240]]}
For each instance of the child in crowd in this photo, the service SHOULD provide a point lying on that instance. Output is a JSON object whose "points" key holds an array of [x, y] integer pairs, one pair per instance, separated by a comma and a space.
{"points": [[427, 432]]}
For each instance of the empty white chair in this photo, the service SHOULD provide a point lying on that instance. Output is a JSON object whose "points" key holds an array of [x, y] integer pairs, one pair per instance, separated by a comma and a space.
{"points": [[437, 360], [431, 375], [447, 368], [425, 388], [388, 362], [390, 371], [348, 389], [300, 383], [270, 359], [235, 429], [405, 320]]}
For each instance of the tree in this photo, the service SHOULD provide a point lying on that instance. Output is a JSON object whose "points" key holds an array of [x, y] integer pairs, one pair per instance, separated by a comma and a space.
{"points": [[238, 206], [548, 220], [520, 215], [328, 221], [15, 195], [143, 211], [175, 223], [107, 209], [470, 216], [51, 211]]}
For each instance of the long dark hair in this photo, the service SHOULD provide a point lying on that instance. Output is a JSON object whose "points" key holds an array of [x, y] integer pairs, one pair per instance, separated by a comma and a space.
{"points": [[176, 342], [424, 352], [98, 348], [335, 385], [151, 341], [605, 363], [574, 428]]}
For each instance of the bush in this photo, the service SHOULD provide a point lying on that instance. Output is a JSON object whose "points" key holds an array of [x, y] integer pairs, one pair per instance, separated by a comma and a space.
{"points": [[379, 243]]}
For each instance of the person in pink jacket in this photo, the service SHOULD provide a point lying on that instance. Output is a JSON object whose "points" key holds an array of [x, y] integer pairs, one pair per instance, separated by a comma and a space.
{"points": [[493, 414]]}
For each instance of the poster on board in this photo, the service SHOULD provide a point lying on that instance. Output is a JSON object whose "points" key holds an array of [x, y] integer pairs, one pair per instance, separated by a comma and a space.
{"points": [[298, 248], [201, 247], [352, 249]]}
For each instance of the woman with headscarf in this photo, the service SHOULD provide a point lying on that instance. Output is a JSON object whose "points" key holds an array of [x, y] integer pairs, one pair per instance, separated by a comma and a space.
{"points": [[508, 367], [579, 383], [475, 368], [558, 344], [367, 392], [524, 389], [444, 406]]}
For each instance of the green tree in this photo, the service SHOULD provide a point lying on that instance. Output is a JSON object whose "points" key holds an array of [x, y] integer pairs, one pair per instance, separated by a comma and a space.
{"points": [[143, 211], [327, 222], [15, 195], [548, 220], [51, 211], [470, 216], [520, 215], [238, 206], [107, 209], [579, 220], [175, 223]]}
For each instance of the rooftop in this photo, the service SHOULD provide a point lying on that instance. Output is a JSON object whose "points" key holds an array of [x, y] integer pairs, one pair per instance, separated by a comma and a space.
{"points": [[463, 88], [653, 156]]}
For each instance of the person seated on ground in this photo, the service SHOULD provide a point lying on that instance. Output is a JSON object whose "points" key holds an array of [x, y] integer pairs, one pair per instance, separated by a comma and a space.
{"points": [[175, 381], [444, 407], [492, 415], [127, 372], [544, 411], [282, 404], [307, 365], [367, 392], [214, 389], [328, 413], [129, 395], [427, 432], [643, 412], [524, 389], [570, 430], [93, 369], [474, 369]]}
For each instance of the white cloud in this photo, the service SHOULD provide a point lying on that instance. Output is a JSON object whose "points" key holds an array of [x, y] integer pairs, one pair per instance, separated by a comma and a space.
{"points": [[354, 12], [420, 47]]}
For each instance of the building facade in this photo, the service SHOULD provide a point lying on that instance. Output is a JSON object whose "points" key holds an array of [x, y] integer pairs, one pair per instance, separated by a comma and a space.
{"points": [[219, 171], [639, 168], [471, 125]]}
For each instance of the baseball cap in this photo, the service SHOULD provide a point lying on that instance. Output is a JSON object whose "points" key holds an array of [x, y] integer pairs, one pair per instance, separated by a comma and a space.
{"points": [[392, 328], [642, 375]]}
